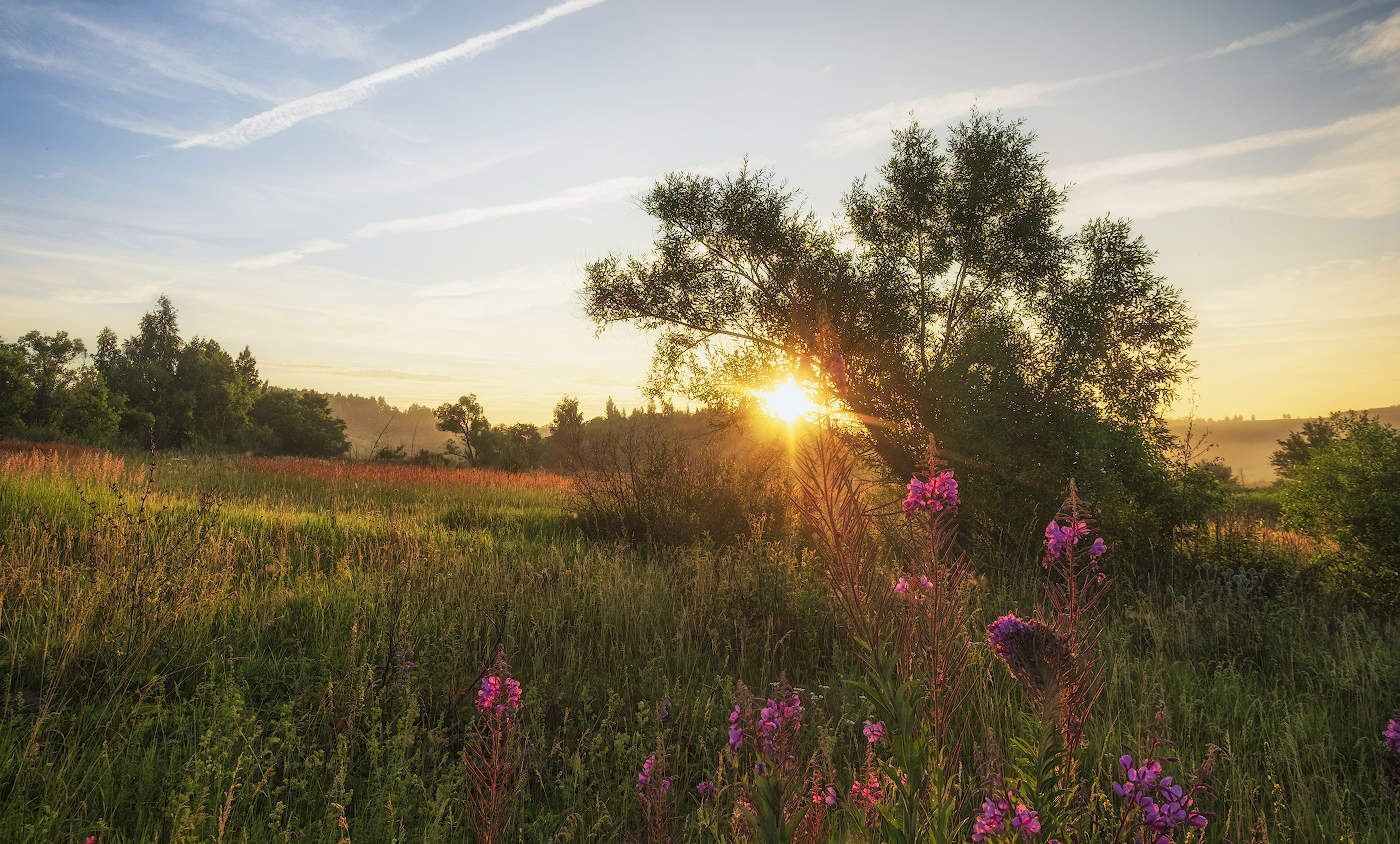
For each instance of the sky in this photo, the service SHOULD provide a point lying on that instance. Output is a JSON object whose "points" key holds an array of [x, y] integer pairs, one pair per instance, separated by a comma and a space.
{"points": [[399, 199]]}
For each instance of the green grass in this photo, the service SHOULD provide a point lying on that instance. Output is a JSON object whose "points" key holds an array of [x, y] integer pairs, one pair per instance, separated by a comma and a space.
{"points": [[236, 691]]}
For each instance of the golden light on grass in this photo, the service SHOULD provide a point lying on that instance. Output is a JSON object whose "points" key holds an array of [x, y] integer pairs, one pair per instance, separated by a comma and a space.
{"points": [[787, 401]]}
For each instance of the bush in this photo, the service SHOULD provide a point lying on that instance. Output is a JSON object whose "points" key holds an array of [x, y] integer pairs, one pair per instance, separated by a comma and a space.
{"points": [[1347, 493], [646, 484]]}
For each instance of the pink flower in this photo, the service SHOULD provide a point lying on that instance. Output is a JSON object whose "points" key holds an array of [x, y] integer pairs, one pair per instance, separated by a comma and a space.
{"points": [[874, 731], [902, 586]]}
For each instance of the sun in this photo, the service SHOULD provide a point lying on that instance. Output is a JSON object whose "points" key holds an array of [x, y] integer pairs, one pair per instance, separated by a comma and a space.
{"points": [[787, 401]]}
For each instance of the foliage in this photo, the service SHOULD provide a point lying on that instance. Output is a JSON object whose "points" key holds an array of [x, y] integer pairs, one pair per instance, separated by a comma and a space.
{"points": [[297, 422], [960, 307], [1344, 487], [641, 481], [272, 714]]}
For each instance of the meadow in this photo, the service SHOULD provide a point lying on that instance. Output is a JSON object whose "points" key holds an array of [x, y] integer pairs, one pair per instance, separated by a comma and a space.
{"points": [[236, 649]]}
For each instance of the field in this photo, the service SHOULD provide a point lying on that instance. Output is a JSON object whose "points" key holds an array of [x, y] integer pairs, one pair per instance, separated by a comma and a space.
{"points": [[251, 650]]}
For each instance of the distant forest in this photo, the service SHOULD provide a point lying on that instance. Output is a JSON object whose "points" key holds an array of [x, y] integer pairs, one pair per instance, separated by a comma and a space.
{"points": [[156, 389]]}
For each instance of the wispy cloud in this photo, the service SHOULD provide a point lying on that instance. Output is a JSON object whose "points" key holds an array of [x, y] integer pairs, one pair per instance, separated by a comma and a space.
{"points": [[107, 56], [609, 190], [1287, 30], [1375, 43], [1357, 180], [291, 113], [288, 256], [309, 29], [867, 128], [1130, 165]]}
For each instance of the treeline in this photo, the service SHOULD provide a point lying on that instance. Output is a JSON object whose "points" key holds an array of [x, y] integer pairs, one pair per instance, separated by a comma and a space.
{"points": [[157, 389]]}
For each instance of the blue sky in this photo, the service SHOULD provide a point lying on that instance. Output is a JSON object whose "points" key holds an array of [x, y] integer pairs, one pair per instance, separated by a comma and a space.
{"points": [[398, 199]]}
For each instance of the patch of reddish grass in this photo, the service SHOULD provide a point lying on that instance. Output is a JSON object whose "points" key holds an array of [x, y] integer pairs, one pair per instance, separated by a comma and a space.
{"points": [[400, 474], [26, 459]]}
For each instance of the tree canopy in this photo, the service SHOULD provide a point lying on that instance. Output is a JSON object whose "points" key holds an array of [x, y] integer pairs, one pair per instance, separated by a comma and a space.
{"points": [[954, 298]]}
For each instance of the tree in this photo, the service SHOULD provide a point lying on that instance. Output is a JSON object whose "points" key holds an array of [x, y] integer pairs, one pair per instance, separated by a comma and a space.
{"points": [[1347, 491], [961, 309], [16, 389], [298, 422], [466, 419], [1299, 446], [48, 358], [566, 432]]}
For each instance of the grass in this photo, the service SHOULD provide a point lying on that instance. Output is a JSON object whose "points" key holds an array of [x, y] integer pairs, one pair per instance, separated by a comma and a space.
{"points": [[226, 671]]}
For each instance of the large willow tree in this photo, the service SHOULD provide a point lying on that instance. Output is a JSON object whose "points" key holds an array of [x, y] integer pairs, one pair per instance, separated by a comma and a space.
{"points": [[960, 305]]}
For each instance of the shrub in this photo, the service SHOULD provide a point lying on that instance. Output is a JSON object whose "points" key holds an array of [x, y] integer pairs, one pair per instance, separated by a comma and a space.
{"points": [[646, 484], [1347, 492]]}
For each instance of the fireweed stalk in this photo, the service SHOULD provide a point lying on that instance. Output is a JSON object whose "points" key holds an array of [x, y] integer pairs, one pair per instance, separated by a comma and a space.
{"points": [[775, 803], [493, 757], [910, 633]]}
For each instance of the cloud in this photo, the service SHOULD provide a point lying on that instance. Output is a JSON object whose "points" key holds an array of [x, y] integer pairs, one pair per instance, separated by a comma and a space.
{"points": [[1129, 165], [1287, 30], [288, 256], [1358, 179], [118, 296], [1345, 290], [291, 113], [1375, 43], [103, 55], [867, 128], [609, 190], [308, 29]]}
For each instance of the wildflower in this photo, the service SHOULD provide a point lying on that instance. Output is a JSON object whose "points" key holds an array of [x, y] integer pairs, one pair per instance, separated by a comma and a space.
{"points": [[998, 815], [901, 586], [644, 778], [663, 710], [497, 694], [707, 790], [736, 732], [824, 795], [874, 731], [869, 791], [1392, 735], [1098, 548], [1165, 806], [939, 493], [1035, 654], [925, 583]]}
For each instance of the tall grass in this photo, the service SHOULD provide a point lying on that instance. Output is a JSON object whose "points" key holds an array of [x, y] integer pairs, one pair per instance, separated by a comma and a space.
{"points": [[243, 685]]}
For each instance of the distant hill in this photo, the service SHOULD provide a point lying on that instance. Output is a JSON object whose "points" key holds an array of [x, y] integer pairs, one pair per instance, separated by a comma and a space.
{"points": [[1245, 445]]}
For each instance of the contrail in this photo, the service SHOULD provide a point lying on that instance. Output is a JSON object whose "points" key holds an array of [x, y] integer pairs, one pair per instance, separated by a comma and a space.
{"points": [[289, 114]]}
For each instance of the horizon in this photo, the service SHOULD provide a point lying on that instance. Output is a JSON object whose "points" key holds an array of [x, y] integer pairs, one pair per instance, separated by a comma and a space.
{"points": [[401, 205]]}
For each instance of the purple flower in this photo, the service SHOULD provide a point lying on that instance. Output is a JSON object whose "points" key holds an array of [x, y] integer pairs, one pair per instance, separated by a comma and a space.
{"points": [[901, 586], [707, 790], [663, 710], [498, 694], [939, 493], [874, 731], [644, 778], [1098, 548], [1392, 735], [999, 632], [1164, 805]]}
